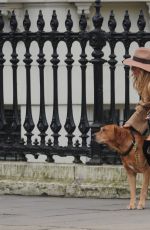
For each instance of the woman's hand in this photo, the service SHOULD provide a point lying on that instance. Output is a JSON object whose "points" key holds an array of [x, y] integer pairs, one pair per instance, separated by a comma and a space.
{"points": [[148, 138], [126, 126]]}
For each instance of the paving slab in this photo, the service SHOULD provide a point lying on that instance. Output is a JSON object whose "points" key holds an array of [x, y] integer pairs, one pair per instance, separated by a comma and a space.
{"points": [[58, 213]]}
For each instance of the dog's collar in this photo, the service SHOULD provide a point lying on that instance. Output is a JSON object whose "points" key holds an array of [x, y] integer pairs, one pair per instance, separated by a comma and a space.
{"points": [[133, 145]]}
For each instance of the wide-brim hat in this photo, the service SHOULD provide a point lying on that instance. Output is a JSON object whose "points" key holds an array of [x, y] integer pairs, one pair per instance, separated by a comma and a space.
{"points": [[140, 59]]}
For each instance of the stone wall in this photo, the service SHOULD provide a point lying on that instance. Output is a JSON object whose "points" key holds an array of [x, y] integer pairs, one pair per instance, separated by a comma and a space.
{"points": [[68, 180]]}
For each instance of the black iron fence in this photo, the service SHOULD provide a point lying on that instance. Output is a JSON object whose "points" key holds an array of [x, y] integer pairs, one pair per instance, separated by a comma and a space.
{"points": [[13, 147]]}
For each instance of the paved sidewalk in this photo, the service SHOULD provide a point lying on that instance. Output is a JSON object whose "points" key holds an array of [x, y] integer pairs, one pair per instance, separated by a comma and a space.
{"points": [[49, 213]]}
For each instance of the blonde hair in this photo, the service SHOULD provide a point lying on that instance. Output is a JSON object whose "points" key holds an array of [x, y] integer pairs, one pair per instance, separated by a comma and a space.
{"points": [[142, 84]]}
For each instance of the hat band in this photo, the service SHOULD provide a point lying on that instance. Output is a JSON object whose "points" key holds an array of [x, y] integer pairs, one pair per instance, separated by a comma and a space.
{"points": [[142, 60]]}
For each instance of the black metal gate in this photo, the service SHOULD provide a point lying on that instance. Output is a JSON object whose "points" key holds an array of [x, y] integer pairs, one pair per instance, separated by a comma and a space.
{"points": [[12, 148]]}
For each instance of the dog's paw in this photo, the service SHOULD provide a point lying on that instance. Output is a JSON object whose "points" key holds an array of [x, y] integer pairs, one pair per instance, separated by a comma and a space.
{"points": [[131, 207], [141, 206]]}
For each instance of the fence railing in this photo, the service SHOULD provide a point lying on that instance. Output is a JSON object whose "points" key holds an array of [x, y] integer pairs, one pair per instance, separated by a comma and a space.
{"points": [[12, 147]]}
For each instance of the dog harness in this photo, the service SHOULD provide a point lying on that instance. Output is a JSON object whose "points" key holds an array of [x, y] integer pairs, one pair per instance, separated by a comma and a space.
{"points": [[133, 145]]}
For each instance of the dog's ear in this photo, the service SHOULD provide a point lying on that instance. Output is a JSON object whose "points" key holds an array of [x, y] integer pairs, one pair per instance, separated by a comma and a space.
{"points": [[120, 132]]}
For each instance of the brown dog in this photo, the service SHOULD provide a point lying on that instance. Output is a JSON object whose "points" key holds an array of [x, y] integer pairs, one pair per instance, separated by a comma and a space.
{"points": [[129, 146]]}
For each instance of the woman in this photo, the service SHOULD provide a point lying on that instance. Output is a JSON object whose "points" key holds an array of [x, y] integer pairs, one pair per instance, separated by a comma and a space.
{"points": [[140, 67]]}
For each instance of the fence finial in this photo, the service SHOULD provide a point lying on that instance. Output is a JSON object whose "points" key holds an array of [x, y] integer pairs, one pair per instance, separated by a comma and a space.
{"points": [[83, 21], [40, 21], [69, 22], [141, 21], [26, 21], [126, 22], [13, 22], [112, 22], [97, 18], [54, 21]]}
